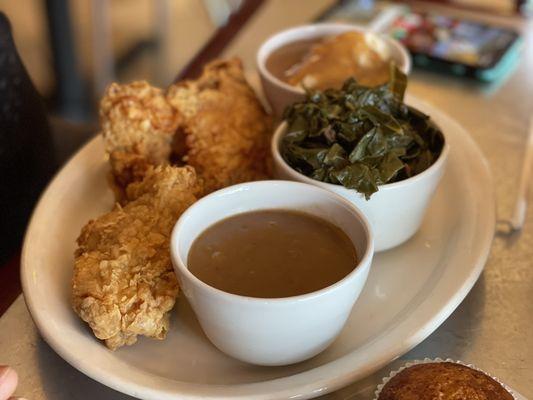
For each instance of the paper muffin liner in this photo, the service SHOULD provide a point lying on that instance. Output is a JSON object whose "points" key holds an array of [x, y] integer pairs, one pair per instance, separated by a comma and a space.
{"points": [[437, 360]]}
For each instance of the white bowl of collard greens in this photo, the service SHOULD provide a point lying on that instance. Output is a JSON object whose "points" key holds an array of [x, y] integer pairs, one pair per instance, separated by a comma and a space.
{"points": [[367, 145]]}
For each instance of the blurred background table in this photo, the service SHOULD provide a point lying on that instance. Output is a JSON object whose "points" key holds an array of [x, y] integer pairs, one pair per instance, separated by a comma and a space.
{"points": [[491, 328]]}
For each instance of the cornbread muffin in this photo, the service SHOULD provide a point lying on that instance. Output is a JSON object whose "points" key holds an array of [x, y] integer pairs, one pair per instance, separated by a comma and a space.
{"points": [[442, 381]]}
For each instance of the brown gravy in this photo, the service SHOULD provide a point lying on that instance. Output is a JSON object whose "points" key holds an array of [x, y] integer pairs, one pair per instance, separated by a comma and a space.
{"points": [[271, 253], [327, 62]]}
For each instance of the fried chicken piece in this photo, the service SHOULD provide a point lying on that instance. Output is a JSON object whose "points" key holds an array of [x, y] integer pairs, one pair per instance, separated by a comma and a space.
{"points": [[123, 284], [138, 127], [227, 130]]}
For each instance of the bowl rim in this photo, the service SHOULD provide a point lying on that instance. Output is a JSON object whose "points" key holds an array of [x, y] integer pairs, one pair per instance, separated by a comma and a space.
{"points": [[275, 144], [315, 30], [180, 266]]}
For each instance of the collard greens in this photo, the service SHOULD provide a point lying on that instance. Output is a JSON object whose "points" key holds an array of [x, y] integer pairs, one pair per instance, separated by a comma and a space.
{"points": [[360, 137]]}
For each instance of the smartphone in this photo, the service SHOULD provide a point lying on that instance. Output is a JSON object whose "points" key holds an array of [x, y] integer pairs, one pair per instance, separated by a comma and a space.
{"points": [[458, 46]]}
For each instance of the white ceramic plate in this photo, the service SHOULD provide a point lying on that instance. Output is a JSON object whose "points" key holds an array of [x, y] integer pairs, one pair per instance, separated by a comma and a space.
{"points": [[411, 290]]}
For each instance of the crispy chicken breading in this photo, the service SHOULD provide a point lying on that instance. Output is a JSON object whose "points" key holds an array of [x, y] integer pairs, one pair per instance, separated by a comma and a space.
{"points": [[227, 130], [138, 126], [215, 124], [124, 284]]}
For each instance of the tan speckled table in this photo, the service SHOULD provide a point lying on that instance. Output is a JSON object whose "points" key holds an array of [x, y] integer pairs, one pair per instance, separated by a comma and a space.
{"points": [[492, 328]]}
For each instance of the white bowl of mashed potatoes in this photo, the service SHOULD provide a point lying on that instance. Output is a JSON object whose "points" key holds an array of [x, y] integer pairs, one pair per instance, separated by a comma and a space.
{"points": [[320, 56]]}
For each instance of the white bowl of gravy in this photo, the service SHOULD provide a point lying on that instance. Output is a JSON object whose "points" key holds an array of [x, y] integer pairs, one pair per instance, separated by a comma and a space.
{"points": [[272, 269], [287, 62]]}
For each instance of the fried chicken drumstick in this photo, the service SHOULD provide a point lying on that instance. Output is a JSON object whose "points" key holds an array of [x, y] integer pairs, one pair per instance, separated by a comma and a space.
{"points": [[124, 284]]}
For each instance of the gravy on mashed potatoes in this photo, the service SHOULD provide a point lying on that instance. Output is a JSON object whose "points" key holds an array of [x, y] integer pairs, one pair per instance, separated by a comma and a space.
{"points": [[327, 62]]}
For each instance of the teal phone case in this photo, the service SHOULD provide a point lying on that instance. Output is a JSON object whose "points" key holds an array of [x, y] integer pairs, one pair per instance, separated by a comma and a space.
{"points": [[505, 65]]}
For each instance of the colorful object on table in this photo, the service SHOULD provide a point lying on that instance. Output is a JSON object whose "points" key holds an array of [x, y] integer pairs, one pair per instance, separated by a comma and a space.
{"points": [[457, 46]]}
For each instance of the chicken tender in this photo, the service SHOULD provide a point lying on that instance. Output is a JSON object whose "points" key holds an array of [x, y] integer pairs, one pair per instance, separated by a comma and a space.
{"points": [[226, 129], [124, 284], [138, 126]]}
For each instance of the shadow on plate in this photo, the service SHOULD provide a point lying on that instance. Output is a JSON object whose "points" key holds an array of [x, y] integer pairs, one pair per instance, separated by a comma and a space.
{"points": [[456, 335]]}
